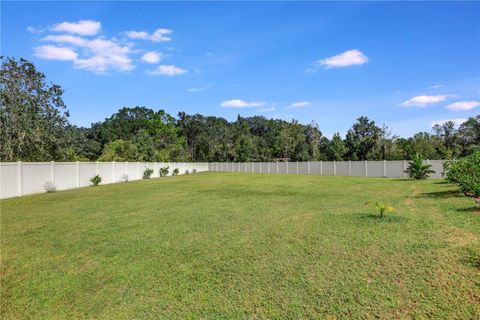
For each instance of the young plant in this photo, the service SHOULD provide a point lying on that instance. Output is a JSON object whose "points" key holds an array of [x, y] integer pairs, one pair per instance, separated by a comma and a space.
{"points": [[147, 173], [125, 178], [381, 207], [187, 172], [164, 171], [417, 169], [95, 180], [175, 172], [194, 170], [49, 186]]}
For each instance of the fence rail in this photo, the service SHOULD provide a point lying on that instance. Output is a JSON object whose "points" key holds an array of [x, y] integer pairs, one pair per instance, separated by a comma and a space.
{"points": [[22, 178], [386, 169]]}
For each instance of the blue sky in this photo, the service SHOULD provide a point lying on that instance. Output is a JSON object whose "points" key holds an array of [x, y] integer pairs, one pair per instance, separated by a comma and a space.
{"points": [[405, 64]]}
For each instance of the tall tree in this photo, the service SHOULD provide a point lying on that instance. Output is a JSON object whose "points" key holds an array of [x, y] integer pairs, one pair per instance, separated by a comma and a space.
{"points": [[33, 116], [469, 135], [362, 138]]}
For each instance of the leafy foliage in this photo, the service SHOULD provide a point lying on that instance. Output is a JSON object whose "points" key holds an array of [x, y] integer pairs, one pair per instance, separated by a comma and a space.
{"points": [[95, 180], [175, 172], [417, 169], [147, 173], [466, 173], [164, 171], [194, 170], [381, 207]]}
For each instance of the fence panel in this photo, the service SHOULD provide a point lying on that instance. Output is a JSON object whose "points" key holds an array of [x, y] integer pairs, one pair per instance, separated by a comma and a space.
{"points": [[357, 168], [437, 166], [375, 168], [65, 175], [342, 168], [10, 176], [395, 169]]}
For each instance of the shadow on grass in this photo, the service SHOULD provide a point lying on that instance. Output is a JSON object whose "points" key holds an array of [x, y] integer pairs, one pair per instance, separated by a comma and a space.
{"points": [[394, 218], [471, 258], [475, 209], [442, 194]]}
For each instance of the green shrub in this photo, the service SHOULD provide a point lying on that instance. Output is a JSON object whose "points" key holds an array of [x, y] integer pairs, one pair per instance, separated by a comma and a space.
{"points": [[381, 207], [466, 173], [164, 171], [95, 180], [147, 173], [175, 172], [125, 178], [187, 172], [417, 169], [194, 170]]}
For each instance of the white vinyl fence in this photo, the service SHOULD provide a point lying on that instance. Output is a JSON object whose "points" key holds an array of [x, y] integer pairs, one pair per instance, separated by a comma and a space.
{"points": [[22, 178], [386, 169]]}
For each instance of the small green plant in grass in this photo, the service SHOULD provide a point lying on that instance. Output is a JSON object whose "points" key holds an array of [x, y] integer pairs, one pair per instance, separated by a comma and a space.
{"points": [[125, 178], [175, 172], [194, 170], [187, 172], [95, 180], [147, 173], [417, 169], [381, 207], [164, 171], [49, 186]]}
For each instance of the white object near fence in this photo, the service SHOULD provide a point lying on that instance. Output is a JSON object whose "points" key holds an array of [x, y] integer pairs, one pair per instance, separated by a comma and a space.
{"points": [[22, 178]]}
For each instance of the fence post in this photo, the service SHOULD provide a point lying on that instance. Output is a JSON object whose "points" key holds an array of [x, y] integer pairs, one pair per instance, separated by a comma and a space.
{"points": [[334, 168], [321, 167], [384, 168], [113, 171], [260, 166], [349, 168], [308, 167], [77, 173], [20, 178], [268, 167], [404, 168], [366, 168], [126, 169], [297, 167], [287, 166], [52, 171], [96, 168], [277, 166], [138, 164]]}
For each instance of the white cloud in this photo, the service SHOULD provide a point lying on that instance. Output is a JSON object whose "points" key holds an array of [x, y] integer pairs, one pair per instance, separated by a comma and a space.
{"points": [[457, 121], [152, 57], [237, 103], [168, 70], [436, 86], [199, 88], [55, 53], [159, 35], [423, 101], [300, 104], [310, 70], [97, 55], [345, 59], [463, 105], [266, 109], [78, 41], [82, 27]]}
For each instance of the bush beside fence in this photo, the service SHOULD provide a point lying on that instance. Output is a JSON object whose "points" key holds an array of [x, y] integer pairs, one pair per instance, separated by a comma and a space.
{"points": [[22, 178]]}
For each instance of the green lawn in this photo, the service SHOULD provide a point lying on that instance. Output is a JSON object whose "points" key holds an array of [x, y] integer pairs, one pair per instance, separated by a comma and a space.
{"points": [[242, 246]]}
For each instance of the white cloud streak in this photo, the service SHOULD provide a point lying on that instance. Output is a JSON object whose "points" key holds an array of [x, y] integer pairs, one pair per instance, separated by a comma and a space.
{"points": [[238, 103], [300, 104], [167, 70], [463, 105], [159, 35], [423, 101], [55, 53], [82, 27], [346, 59]]}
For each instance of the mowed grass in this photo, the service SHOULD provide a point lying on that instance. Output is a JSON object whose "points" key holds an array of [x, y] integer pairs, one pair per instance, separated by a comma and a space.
{"points": [[242, 246]]}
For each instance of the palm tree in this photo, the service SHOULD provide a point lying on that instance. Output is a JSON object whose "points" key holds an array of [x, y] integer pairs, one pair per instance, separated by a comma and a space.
{"points": [[417, 169]]}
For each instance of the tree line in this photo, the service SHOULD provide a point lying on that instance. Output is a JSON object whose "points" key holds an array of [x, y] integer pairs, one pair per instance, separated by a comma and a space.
{"points": [[35, 127]]}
